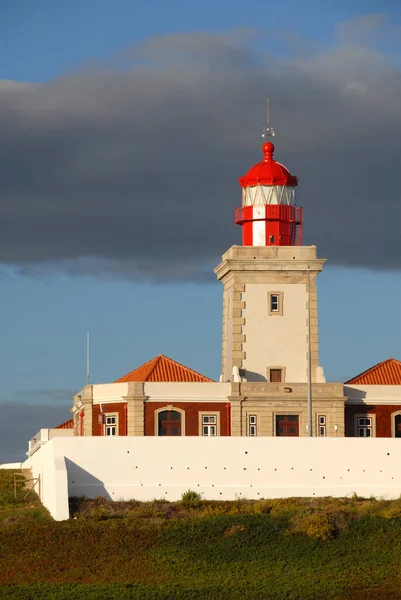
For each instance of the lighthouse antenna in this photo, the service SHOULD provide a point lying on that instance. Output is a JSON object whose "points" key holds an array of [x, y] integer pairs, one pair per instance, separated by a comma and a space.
{"points": [[268, 131]]}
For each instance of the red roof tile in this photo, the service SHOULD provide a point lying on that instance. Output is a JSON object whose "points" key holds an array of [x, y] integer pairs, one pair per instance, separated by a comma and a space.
{"points": [[387, 372], [161, 369], [66, 425]]}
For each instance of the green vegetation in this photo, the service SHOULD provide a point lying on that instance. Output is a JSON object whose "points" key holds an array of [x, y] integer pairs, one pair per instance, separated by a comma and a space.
{"points": [[309, 549]]}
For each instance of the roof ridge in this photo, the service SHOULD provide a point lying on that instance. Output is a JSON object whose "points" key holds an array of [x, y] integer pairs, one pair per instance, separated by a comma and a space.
{"points": [[374, 368], [163, 368]]}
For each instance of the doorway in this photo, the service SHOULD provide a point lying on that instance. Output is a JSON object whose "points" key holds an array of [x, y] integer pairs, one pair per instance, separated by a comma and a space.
{"points": [[287, 425]]}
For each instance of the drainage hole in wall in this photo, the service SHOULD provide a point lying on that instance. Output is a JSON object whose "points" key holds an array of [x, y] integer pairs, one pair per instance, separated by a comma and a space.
{"points": [[221, 493], [187, 467], [205, 467], [258, 494], [363, 470], [142, 484], [250, 486], [244, 468], [340, 477], [324, 477], [314, 494], [127, 451], [275, 469], [292, 468], [381, 471], [224, 468], [388, 453], [347, 469], [171, 467], [258, 469], [212, 484], [136, 467], [246, 452], [72, 481], [165, 492], [159, 484]]}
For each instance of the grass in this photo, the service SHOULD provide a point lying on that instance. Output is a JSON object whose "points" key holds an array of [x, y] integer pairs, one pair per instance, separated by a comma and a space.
{"points": [[309, 549]]}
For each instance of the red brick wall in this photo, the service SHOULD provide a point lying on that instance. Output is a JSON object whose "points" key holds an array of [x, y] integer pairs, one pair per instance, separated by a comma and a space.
{"points": [[115, 408], [192, 410], [383, 418]]}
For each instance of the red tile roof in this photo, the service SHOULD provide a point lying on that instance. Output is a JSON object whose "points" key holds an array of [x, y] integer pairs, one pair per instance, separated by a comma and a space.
{"points": [[387, 372], [161, 368], [66, 425]]}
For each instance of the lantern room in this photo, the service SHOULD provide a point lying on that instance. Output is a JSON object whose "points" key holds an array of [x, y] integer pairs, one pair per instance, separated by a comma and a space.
{"points": [[269, 215]]}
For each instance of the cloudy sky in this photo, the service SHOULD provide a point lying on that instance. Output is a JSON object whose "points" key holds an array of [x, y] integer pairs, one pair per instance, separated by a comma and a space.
{"points": [[124, 127]]}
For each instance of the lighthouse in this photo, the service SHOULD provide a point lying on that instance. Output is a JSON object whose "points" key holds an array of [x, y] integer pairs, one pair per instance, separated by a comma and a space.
{"points": [[270, 323], [269, 215]]}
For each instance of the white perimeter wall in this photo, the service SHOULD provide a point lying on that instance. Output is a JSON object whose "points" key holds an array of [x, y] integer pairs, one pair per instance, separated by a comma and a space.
{"points": [[274, 340], [218, 468]]}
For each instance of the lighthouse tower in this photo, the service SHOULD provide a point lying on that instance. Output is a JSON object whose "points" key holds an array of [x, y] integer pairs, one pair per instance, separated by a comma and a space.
{"points": [[270, 325], [268, 215]]}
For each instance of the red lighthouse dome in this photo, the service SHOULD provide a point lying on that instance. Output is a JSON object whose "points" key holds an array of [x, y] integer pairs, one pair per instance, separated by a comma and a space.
{"points": [[269, 215], [268, 171]]}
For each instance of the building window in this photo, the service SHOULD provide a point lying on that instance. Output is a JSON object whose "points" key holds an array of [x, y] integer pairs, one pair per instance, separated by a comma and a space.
{"points": [[169, 423], [275, 303], [110, 424], [321, 423], [209, 425], [396, 425], [364, 427], [252, 426]]}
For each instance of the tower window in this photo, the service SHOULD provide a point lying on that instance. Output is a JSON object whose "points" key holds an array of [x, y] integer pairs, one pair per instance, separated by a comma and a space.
{"points": [[276, 375], [275, 303]]}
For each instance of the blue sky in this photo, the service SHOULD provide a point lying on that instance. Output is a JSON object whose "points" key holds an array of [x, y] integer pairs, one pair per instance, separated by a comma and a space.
{"points": [[46, 314]]}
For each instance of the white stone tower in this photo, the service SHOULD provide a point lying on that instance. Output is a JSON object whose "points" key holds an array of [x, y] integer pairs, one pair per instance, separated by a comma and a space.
{"points": [[270, 298]]}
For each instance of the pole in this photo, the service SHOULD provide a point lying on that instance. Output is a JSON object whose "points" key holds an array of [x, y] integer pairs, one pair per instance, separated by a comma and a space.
{"points": [[87, 359], [310, 431]]}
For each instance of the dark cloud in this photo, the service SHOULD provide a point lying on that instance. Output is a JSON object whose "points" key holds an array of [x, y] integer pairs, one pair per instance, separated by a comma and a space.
{"points": [[20, 422], [38, 397], [133, 171]]}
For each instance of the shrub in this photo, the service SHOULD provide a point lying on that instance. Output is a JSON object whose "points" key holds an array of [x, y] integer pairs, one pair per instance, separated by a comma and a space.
{"points": [[318, 525], [190, 497]]}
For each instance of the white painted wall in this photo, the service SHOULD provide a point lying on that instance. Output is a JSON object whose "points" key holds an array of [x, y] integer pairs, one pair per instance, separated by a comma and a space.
{"points": [[109, 392], [159, 391], [373, 394], [48, 464], [273, 340], [187, 392], [218, 468]]}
